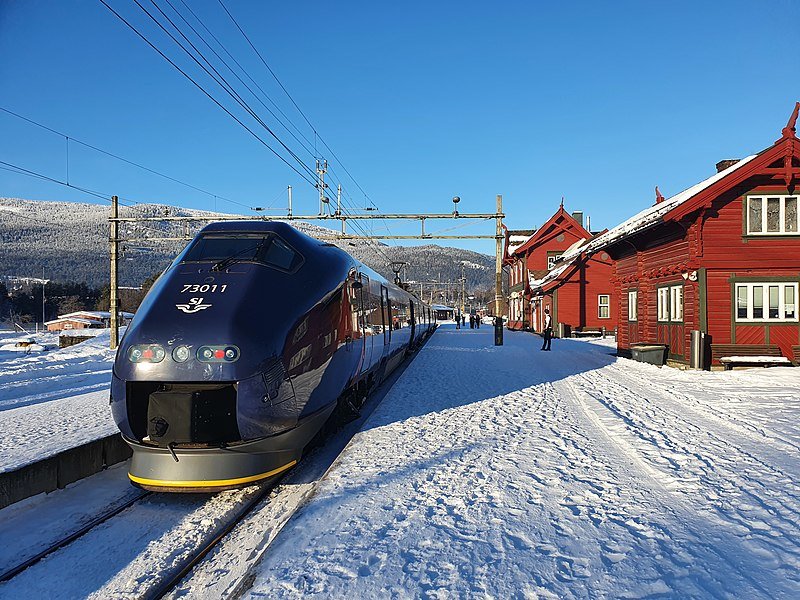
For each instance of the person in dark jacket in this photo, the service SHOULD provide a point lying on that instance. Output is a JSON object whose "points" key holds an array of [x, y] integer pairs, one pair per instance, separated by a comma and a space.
{"points": [[548, 330]]}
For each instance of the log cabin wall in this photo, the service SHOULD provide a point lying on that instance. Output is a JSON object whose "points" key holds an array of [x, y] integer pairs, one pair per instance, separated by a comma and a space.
{"points": [[732, 256]]}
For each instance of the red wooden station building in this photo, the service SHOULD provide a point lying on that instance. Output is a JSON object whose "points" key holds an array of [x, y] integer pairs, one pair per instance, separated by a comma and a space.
{"points": [[722, 258], [579, 294]]}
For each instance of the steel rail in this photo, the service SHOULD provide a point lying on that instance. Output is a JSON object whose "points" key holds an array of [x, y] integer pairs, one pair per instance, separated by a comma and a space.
{"points": [[14, 571], [168, 583]]}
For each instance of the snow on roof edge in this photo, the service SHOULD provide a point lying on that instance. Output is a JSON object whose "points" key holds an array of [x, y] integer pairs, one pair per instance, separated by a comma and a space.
{"points": [[652, 214], [638, 222]]}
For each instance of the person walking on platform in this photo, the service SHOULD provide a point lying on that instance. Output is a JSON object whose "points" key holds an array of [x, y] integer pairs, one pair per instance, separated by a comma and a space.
{"points": [[548, 330], [458, 321], [471, 322], [463, 320]]}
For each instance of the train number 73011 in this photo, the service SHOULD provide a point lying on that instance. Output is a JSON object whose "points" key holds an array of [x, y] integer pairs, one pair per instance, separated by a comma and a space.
{"points": [[194, 288]]}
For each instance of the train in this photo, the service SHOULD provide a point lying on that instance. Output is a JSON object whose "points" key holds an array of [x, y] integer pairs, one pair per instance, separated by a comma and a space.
{"points": [[244, 347]]}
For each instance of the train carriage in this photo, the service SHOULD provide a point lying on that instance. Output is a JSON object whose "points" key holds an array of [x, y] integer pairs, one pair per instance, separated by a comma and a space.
{"points": [[243, 347]]}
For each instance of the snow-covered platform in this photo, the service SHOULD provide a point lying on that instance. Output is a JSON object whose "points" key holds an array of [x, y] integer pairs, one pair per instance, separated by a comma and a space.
{"points": [[54, 401], [510, 472]]}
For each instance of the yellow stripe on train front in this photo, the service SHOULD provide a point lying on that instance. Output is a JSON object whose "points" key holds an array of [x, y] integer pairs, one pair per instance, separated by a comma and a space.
{"points": [[210, 482]]}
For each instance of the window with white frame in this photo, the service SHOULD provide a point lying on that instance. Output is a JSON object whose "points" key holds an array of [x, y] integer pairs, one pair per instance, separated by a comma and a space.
{"points": [[552, 259], [772, 215], [670, 304], [766, 301], [633, 305], [604, 306]]}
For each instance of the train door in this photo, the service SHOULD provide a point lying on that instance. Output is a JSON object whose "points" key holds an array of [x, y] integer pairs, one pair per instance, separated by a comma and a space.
{"points": [[413, 319], [386, 317], [367, 330], [388, 309]]}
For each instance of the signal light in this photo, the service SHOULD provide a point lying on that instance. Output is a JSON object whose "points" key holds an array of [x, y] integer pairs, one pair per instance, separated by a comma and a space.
{"points": [[218, 354], [150, 353]]}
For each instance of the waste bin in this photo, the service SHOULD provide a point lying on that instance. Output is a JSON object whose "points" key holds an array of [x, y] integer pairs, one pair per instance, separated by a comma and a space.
{"points": [[654, 354], [697, 354]]}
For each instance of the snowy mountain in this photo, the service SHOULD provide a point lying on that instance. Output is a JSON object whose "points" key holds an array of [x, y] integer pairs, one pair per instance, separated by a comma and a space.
{"points": [[67, 241]]}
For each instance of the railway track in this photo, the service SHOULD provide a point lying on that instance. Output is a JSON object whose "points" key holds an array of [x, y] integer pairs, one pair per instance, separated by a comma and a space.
{"points": [[157, 547], [9, 574], [169, 579]]}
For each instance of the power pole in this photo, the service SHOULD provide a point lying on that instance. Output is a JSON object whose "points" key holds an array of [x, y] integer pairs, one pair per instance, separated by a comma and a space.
{"points": [[43, 284], [463, 282], [498, 261], [289, 189], [114, 247]]}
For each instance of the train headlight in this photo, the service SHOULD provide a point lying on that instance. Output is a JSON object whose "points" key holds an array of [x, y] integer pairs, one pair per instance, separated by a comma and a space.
{"points": [[181, 354], [146, 353], [218, 354]]}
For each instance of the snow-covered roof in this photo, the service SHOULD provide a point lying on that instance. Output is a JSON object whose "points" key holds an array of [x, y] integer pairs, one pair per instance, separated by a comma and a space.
{"points": [[652, 215], [72, 320], [561, 265], [93, 314], [515, 241], [647, 218], [441, 307]]}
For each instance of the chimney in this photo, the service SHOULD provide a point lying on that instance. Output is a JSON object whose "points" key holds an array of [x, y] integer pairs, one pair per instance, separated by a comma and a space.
{"points": [[588, 223], [578, 216], [728, 162]]}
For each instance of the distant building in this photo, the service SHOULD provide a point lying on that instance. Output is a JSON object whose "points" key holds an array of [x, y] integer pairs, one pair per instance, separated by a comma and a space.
{"points": [[85, 319], [578, 292], [443, 313]]}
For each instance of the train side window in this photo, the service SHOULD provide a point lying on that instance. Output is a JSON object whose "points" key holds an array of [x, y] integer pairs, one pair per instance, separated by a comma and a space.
{"points": [[279, 254], [375, 314]]}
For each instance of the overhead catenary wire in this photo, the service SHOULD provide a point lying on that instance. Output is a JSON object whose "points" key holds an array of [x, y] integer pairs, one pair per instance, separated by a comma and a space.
{"points": [[206, 93], [212, 72], [216, 76], [316, 134], [306, 144], [6, 166], [118, 157]]}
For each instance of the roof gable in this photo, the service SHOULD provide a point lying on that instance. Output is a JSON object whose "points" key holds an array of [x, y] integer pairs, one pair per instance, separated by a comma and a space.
{"points": [[562, 221]]}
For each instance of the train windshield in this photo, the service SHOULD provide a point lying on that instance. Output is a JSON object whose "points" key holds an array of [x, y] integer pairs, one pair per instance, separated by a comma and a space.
{"points": [[224, 251]]}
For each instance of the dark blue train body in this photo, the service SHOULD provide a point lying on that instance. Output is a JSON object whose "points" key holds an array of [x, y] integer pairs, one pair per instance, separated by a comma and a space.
{"points": [[242, 348]]}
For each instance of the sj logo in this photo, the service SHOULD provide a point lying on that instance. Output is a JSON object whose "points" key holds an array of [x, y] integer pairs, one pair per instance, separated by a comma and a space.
{"points": [[195, 305]]}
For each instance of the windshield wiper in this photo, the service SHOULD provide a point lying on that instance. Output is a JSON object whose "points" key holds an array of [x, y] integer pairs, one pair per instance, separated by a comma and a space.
{"points": [[234, 258]]}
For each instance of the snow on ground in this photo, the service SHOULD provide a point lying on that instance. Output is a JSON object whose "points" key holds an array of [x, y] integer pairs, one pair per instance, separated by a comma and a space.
{"points": [[58, 373], [509, 472], [54, 400]]}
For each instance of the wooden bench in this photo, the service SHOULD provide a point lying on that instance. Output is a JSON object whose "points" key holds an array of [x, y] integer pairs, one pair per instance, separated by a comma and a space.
{"points": [[586, 332], [748, 355]]}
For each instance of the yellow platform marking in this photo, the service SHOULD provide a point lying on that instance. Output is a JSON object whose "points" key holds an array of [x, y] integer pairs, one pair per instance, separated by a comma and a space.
{"points": [[210, 482]]}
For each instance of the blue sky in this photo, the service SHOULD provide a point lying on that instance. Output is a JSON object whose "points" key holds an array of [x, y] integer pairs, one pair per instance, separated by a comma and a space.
{"points": [[421, 101]]}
